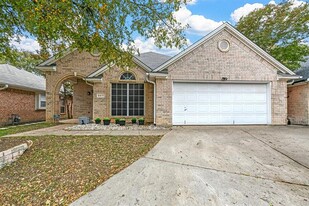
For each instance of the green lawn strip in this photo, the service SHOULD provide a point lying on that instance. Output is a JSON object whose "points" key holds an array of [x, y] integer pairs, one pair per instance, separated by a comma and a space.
{"points": [[24, 128], [60, 169]]}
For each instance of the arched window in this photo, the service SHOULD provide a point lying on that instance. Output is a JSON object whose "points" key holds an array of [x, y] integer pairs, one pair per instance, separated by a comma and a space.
{"points": [[127, 76]]}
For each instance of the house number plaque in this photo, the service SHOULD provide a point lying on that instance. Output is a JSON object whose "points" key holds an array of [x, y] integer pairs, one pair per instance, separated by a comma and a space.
{"points": [[100, 96]]}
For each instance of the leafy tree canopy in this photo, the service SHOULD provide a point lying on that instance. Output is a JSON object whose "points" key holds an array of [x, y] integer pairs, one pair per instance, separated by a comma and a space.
{"points": [[282, 30], [89, 25], [24, 60]]}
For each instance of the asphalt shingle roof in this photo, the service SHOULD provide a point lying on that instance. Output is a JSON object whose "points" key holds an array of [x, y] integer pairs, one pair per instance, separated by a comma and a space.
{"points": [[152, 59], [18, 78], [303, 70]]}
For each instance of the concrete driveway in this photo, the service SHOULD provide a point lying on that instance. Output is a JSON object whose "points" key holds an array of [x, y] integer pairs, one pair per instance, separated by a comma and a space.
{"points": [[240, 165]]}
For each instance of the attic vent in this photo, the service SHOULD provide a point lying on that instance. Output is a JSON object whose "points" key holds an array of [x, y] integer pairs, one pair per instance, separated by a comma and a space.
{"points": [[224, 45]]}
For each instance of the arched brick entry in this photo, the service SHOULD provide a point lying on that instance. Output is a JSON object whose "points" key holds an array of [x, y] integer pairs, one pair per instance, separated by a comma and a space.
{"points": [[75, 65], [82, 97]]}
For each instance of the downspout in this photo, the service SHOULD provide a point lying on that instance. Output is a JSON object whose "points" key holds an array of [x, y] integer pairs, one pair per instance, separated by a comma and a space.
{"points": [[154, 98], [5, 87], [92, 96]]}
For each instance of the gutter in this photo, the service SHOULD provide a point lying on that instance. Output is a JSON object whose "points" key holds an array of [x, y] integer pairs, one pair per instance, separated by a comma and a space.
{"points": [[4, 87], [158, 75], [154, 98], [291, 83], [93, 80], [47, 68], [87, 82]]}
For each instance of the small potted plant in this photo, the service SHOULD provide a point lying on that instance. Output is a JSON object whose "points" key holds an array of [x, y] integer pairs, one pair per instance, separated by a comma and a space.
{"points": [[122, 122], [141, 121], [98, 120], [106, 121], [133, 120], [117, 120]]}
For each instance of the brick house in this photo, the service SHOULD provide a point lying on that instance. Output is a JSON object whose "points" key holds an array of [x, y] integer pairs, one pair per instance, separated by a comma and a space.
{"points": [[21, 93], [298, 97], [223, 78]]}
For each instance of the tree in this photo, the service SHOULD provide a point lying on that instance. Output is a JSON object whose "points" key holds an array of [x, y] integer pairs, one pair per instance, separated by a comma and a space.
{"points": [[24, 60], [282, 30], [96, 25]]}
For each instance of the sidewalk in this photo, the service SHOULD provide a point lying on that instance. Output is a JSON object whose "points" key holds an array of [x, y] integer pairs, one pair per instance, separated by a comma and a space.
{"points": [[59, 130]]}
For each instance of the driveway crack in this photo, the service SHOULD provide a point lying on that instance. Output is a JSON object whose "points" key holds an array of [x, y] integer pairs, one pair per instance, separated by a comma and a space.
{"points": [[291, 158], [228, 172]]}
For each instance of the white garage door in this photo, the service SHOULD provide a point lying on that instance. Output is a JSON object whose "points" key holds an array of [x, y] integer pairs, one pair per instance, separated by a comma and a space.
{"points": [[215, 103]]}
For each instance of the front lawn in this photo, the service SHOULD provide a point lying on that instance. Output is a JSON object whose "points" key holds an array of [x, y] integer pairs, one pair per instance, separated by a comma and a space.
{"points": [[60, 169], [24, 128]]}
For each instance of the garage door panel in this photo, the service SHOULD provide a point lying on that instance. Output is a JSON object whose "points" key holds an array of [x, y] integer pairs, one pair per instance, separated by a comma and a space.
{"points": [[179, 98], [178, 109], [206, 103], [260, 109]]}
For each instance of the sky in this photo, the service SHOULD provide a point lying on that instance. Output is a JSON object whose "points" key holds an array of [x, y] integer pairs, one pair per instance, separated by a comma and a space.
{"points": [[202, 16]]}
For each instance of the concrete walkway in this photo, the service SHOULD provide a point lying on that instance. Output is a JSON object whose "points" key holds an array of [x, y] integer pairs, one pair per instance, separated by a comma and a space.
{"points": [[262, 165], [60, 130]]}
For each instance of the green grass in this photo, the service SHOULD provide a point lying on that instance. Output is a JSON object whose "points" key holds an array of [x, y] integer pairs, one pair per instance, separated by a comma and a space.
{"points": [[24, 128], [57, 170]]}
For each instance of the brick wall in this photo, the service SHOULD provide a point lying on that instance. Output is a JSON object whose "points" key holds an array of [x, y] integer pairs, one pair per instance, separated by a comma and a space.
{"points": [[298, 104], [84, 64], [208, 63], [14, 101], [82, 99], [102, 107]]}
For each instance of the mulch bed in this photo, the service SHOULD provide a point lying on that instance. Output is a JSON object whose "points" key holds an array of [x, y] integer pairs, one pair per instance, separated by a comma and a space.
{"points": [[57, 170]]}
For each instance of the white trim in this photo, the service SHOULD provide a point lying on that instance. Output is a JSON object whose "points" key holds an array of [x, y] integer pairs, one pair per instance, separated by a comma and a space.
{"points": [[222, 82], [292, 77], [100, 71], [158, 75], [269, 102], [240, 37], [47, 68], [38, 100], [56, 57], [93, 80], [105, 67]]}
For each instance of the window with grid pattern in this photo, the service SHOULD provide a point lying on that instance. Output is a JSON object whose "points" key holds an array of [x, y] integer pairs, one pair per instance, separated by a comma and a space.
{"points": [[127, 99]]}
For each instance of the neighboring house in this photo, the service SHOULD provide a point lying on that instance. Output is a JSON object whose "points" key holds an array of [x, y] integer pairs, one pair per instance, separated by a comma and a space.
{"points": [[223, 78], [22, 94], [298, 97]]}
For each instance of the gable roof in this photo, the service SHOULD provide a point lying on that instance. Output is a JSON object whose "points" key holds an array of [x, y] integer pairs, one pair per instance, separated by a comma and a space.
{"points": [[229, 28], [148, 61], [19, 78], [152, 59]]}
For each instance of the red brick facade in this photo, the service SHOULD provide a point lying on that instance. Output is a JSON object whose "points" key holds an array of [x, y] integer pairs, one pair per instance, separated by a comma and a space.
{"points": [[298, 104], [13, 101]]}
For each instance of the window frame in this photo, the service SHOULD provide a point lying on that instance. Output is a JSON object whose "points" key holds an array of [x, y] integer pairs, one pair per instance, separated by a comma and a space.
{"points": [[128, 79], [38, 101], [128, 100], [62, 106]]}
